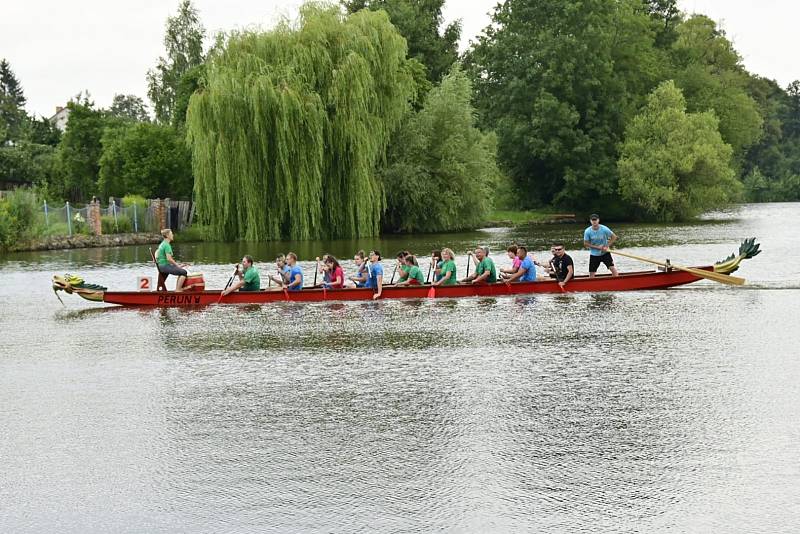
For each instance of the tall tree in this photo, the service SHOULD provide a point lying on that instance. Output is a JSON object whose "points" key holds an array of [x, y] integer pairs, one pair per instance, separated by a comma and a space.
{"points": [[184, 49], [43, 132], [666, 16], [12, 105], [674, 164], [291, 124], [80, 149], [422, 24], [709, 71], [558, 80], [145, 159], [191, 81], [439, 158], [129, 107]]}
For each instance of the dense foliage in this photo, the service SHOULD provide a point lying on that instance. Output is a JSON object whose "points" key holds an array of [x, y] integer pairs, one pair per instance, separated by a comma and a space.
{"points": [[291, 123], [558, 80], [674, 164], [441, 169], [561, 80], [183, 42], [144, 159], [420, 22]]}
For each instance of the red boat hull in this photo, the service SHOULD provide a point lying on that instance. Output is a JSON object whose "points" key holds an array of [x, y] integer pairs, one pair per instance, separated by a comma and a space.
{"points": [[625, 282]]}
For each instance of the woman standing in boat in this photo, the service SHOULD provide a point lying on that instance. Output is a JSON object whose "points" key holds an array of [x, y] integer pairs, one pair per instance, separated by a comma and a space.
{"points": [[295, 273], [376, 274], [448, 271], [166, 262]]}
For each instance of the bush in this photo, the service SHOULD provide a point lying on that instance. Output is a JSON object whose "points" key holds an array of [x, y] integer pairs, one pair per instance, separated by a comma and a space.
{"points": [[122, 225], [7, 224], [55, 229], [23, 208], [128, 201], [197, 232]]}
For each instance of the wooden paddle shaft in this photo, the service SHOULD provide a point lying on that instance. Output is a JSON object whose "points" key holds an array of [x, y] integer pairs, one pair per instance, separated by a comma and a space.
{"points": [[709, 275]]}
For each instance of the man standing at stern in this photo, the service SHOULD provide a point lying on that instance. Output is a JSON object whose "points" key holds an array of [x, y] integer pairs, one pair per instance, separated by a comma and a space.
{"points": [[598, 238]]}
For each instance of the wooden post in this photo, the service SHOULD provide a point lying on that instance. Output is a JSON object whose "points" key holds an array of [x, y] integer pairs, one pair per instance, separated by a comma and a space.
{"points": [[93, 217]]}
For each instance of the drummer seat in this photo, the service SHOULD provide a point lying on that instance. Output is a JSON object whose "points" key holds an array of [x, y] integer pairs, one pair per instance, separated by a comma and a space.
{"points": [[162, 277]]}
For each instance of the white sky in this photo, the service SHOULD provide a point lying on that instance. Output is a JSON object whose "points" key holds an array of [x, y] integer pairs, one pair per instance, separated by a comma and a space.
{"points": [[59, 48]]}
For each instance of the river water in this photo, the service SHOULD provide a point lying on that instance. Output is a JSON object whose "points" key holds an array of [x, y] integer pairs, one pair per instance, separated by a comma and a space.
{"points": [[661, 411]]}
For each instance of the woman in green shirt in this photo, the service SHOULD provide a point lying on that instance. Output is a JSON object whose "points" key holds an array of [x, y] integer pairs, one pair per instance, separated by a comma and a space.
{"points": [[448, 271], [166, 262], [415, 276]]}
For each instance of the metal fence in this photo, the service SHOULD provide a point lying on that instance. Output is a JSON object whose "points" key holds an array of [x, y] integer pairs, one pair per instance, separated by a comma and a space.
{"points": [[71, 219]]}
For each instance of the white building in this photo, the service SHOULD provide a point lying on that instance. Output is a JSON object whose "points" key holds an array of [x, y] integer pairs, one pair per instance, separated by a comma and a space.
{"points": [[59, 120]]}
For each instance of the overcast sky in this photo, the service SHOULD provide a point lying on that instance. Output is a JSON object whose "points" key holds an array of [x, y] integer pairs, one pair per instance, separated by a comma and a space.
{"points": [[59, 48]]}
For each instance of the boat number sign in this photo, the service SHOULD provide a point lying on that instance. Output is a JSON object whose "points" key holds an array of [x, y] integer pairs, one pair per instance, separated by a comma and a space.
{"points": [[144, 283]]}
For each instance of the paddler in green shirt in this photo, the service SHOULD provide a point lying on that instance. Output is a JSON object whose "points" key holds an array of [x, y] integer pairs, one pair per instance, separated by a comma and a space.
{"points": [[415, 276], [166, 263], [404, 268], [448, 271], [249, 280], [485, 271]]}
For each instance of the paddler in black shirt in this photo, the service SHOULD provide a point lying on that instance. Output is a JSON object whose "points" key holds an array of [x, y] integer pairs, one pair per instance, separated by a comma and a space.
{"points": [[562, 264]]}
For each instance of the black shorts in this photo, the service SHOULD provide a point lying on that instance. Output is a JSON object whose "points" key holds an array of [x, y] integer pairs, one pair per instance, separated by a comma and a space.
{"points": [[595, 261], [172, 269]]}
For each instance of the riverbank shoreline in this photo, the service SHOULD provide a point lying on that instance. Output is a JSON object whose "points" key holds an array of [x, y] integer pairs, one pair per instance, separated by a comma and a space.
{"points": [[511, 218], [87, 241]]}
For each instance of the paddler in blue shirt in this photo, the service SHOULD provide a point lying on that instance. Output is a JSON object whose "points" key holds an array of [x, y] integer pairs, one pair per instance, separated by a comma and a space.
{"points": [[295, 282]]}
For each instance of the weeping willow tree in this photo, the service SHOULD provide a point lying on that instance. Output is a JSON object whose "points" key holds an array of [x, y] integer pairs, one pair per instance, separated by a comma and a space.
{"points": [[290, 125]]}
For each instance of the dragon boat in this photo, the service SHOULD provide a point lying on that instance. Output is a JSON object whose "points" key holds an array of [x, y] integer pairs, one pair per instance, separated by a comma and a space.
{"points": [[664, 277]]}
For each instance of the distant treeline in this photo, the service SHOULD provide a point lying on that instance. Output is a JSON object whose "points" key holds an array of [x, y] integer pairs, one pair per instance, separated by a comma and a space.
{"points": [[362, 117]]}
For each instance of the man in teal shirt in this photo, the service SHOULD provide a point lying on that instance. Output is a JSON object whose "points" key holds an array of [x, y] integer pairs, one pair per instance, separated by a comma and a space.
{"points": [[599, 238], [249, 280]]}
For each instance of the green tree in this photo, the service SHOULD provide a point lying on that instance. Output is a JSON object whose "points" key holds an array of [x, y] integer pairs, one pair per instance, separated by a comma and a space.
{"points": [[666, 16], [420, 22], [43, 132], [791, 113], [441, 169], [291, 124], [26, 164], [708, 70], [184, 49], [145, 159], [558, 80], [191, 81], [129, 107], [79, 150], [674, 164], [12, 105]]}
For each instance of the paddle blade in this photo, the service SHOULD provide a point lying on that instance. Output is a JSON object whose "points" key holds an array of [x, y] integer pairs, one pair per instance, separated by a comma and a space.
{"points": [[432, 292]]}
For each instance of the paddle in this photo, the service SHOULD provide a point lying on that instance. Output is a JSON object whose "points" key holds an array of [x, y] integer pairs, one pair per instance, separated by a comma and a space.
{"points": [[469, 260], [230, 280], [708, 275], [430, 269], [316, 270], [393, 273], [432, 290]]}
